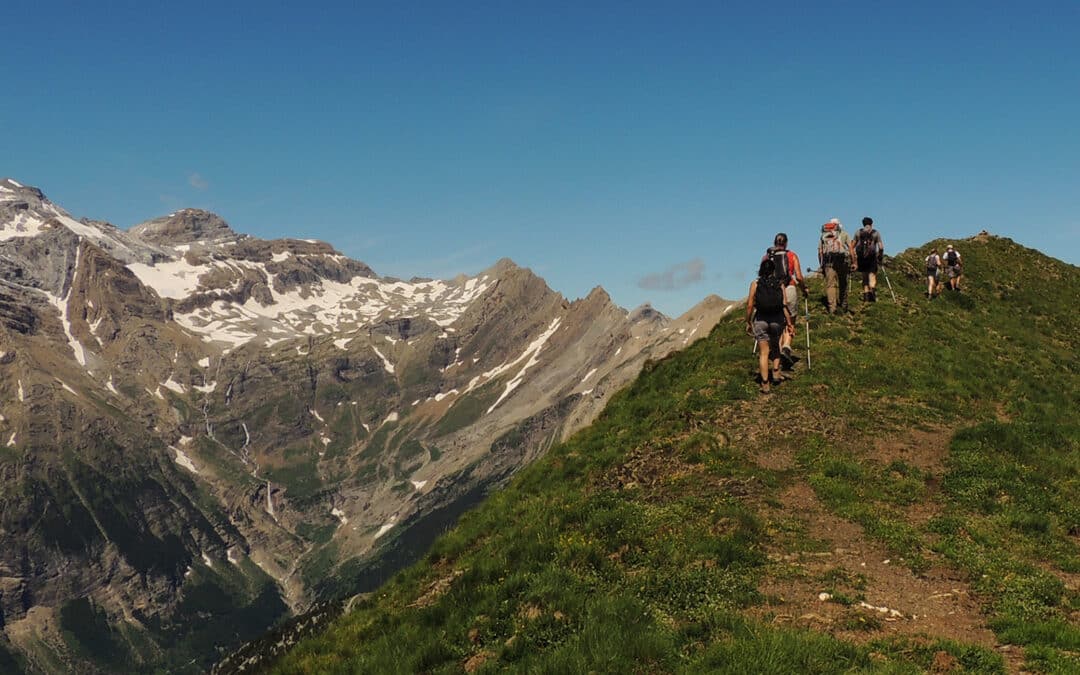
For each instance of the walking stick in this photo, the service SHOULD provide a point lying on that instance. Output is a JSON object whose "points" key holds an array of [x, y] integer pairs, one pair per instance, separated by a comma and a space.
{"points": [[808, 364], [889, 283]]}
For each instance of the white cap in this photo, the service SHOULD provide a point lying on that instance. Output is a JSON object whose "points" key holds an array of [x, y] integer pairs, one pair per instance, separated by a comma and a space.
{"points": [[834, 220]]}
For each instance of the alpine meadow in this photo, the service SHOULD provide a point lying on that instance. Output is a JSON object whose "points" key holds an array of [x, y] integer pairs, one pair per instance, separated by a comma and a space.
{"points": [[910, 503]]}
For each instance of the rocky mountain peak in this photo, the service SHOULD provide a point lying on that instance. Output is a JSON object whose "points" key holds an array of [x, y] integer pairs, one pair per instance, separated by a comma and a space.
{"points": [[185, 227], [12, 190]]}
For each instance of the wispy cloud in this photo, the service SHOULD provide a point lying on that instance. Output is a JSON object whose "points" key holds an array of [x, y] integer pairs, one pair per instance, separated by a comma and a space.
{"points": [[196, 181], [675, 277]]}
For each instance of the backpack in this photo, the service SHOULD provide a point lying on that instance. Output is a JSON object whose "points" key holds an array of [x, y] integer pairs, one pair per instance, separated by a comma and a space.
{"points": [[953, 258], [831, 241], [769, 298], [864, 244], [782, 265]]}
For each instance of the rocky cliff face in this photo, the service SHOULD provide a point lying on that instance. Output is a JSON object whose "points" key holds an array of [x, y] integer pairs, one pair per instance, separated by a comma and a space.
{"points": [[202, 432]]}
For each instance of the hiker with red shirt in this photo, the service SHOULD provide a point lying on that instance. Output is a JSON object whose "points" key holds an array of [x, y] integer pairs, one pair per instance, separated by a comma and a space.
{"points": [[788, 269]]}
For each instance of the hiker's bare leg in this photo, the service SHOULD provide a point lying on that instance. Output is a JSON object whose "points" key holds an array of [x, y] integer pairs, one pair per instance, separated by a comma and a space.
{"points": [[763, 363]]}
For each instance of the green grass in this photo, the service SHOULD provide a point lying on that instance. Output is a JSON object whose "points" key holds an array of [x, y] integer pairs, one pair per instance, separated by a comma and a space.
{"points": [[638, 544]]}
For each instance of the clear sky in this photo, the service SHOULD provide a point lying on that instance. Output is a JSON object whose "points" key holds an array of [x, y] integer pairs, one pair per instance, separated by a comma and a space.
{"points": [[651, 148]]}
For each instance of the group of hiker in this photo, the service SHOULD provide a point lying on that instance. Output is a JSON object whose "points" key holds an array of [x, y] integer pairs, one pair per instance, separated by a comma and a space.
{"points": [[773, 302], [954, 270]]}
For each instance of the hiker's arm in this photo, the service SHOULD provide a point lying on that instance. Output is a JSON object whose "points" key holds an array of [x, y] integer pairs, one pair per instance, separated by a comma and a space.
{"points": [[800, 281], [750, 306]]}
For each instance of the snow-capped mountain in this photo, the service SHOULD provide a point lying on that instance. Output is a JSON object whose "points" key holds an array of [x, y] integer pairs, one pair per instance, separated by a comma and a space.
{"points": [[202, 430]]}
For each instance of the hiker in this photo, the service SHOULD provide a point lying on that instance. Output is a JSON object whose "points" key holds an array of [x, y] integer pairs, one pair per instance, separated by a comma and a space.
{"points": [[835, 256], [788, 269], [869, 252], [767, 318], [933, 274], [954, 267]]}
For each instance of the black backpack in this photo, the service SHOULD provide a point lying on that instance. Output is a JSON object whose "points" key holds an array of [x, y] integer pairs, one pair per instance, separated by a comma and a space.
{"points": [[780, 264], [769, 298], [864, 244], [952, 257]]}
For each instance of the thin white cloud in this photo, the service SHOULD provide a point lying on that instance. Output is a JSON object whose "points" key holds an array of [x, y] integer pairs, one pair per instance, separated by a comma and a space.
{"points": [[676, 277], [196, 181]]}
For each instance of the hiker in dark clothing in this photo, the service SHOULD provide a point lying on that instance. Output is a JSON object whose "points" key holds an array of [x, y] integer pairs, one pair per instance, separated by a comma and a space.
{"points": [[788, 269], [767, 317], [869, 252]]}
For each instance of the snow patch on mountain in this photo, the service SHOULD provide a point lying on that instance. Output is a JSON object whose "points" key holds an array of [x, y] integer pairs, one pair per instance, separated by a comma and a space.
{"points": [[531, 352], [176, 279], [321, 307], [174, 386], [389, 525], [386, 362], [183, 460]]}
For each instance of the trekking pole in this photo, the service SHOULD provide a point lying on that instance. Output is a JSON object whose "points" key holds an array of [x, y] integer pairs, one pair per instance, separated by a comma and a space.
{"points": [[889, 283], [808, 364]]}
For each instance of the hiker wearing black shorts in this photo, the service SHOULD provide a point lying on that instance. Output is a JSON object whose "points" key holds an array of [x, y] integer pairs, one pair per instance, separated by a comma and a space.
{"points": [[767, 317], [954, 267], [788, 269], [869, 252]]}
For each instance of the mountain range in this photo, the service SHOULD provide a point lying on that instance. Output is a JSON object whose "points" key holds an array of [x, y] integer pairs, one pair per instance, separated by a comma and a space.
{"points": [[203, 433]]}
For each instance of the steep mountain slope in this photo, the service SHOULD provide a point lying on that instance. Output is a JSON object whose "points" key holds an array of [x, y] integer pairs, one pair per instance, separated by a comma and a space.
{"points": [[911, 503], [202, 433]]}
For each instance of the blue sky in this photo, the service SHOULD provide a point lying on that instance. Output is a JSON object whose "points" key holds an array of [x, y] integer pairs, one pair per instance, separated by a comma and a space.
{"points": [[651, 148]]}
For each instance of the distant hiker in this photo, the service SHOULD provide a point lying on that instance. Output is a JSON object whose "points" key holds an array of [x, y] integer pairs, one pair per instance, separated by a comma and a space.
{"points": [[767, 318], [788, 269], [954, 267], [869, 252], [933, 273], [835, 256]]}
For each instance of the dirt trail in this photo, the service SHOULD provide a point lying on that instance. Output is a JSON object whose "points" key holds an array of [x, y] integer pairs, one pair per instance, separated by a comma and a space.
{"points": [[877, 595]]}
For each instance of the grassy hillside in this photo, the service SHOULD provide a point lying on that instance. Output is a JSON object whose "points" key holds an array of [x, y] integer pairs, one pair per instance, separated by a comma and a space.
{"points": [[910, 503]]}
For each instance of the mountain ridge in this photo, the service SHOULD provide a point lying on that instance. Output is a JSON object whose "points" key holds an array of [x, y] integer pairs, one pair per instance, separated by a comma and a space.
{"points": [[300, 412], [910, 504]]}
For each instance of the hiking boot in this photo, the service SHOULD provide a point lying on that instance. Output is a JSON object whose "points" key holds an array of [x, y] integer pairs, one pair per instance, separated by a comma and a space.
{"points": [[786, 351], [872, 296]]}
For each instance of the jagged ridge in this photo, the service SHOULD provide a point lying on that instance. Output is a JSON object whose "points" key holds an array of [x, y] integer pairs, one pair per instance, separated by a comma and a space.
{"points": [[298, 411]]}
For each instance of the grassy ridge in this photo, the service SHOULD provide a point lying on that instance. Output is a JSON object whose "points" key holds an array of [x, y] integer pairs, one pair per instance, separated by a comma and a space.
{"points": [[640, 544]]}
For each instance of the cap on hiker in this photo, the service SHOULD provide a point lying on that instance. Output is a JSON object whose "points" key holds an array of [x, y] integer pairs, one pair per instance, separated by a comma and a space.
{"points": [[835, 221], [949, 247]]}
